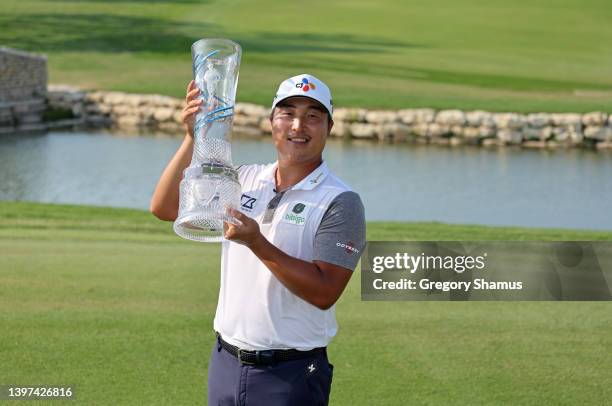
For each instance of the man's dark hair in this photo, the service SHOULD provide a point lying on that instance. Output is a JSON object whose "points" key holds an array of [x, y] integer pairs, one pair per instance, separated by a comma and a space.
{"points": [[318, 106]]}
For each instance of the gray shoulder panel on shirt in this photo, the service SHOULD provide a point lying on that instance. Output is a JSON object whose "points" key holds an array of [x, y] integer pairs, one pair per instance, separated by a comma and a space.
{"points": [[340, 238]]}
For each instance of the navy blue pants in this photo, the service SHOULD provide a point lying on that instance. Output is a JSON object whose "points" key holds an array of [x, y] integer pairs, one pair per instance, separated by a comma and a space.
{"points": [[298, 382]]}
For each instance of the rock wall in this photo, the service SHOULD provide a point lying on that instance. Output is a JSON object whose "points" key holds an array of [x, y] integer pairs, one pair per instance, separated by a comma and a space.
{"points": [[444, 127], [23, 90]]}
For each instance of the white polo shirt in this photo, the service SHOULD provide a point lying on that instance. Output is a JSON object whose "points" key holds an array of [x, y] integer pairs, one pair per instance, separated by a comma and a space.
{"points": [[319, 218]]}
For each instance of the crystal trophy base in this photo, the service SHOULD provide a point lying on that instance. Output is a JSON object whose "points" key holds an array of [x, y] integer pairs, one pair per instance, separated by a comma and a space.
{"points": [[206, 194]]}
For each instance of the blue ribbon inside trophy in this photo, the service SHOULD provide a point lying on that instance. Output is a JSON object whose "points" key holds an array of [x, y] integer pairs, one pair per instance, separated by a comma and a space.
{"points": [[210, 184]]}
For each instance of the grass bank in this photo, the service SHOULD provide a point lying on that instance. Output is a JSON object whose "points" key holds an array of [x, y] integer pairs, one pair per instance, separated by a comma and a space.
{"points": [[111, 301], [524, 56]]}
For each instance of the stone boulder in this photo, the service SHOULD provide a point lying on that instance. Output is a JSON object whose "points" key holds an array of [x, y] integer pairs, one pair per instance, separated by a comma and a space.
{"points": [[251, 110], [247, 120], [439, 130], [510, 137], [598, 133], [509, 121], [363, 130], [381, 116], [595, 118], [129, 121], [265, 126], [163, 114], [542, 134], [350, 115], [471, 132], [392, 131], [538, 120], [567, 119], [114, 98], [479, 117], [340, 129], [424, 115], [421, 130], [407, 116], [450, 117], [124, 110], [487, 132]]}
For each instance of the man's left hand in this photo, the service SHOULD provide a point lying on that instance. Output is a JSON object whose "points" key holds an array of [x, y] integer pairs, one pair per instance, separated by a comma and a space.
{"points": [[246, 233]]}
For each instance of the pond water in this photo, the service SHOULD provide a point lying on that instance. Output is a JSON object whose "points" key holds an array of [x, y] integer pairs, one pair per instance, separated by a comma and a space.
{"points": [[468, 185]]}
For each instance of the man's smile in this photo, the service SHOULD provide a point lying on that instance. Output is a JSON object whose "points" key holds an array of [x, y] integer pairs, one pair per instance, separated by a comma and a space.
{"points": [[299, 139]]}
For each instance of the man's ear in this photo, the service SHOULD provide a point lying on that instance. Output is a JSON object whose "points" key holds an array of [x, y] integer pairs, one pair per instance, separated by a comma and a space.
{"points": [[330, 124]]}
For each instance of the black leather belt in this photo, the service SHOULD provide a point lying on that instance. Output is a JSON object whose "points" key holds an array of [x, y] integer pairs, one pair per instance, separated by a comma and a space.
{"points": [[267, 357]]}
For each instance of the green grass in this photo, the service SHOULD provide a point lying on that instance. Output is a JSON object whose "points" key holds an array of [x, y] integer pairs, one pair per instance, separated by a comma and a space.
{"points": [[547, 55], [111, 301]]}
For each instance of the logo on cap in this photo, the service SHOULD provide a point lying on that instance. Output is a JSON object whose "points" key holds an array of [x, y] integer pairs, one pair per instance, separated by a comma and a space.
{"points": [[305, 85]]}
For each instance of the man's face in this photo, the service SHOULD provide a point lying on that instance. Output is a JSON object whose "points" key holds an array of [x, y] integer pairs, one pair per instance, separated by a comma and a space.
{"points": [[300, 127]]}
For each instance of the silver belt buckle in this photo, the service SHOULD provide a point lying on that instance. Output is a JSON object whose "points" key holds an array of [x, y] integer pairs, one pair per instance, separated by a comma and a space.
{"points": [[239, 356]]}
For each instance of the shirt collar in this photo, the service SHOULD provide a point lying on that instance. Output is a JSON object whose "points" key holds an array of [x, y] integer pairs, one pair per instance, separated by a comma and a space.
{"points": [[268, 175], [311, 181], [315, 178]]}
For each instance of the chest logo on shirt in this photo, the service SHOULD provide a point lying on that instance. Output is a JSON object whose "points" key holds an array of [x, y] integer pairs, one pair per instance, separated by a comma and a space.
{"points": [[247, 202], [296, 214], [298, 208]]}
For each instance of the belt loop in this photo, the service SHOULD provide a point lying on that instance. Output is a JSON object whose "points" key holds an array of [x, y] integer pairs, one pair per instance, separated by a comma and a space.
{"points": [[218, 341]]}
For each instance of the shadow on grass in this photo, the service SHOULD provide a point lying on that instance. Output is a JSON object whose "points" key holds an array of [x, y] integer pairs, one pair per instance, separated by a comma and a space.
{"points": [[271, 42], [370, 68], [113, 33], [97, 33], [137, 1]]}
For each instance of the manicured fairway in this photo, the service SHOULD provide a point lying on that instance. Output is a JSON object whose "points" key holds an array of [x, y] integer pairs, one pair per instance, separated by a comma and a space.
{"points": [[109, 300], [549, 55]]}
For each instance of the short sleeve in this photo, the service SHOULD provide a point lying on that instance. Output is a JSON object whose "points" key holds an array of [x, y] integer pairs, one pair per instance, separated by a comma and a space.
{"points": [[340, 238]]}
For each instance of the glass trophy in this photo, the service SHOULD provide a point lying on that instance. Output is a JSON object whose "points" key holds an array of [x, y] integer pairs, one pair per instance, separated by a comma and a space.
{"points": [[210, 184]]}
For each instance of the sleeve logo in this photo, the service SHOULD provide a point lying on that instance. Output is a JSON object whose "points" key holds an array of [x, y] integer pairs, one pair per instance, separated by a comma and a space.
{"points": [[349, 247]]}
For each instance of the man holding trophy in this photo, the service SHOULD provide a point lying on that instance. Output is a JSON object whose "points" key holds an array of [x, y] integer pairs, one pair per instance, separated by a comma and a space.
{"points": [[291, 238]]}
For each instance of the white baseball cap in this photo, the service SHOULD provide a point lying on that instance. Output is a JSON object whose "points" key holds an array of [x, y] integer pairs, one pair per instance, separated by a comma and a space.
{"points": [[305, 85]]}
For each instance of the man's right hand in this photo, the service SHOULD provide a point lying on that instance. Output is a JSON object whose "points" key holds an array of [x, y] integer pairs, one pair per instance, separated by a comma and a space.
{"points": [[193, 104]]}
